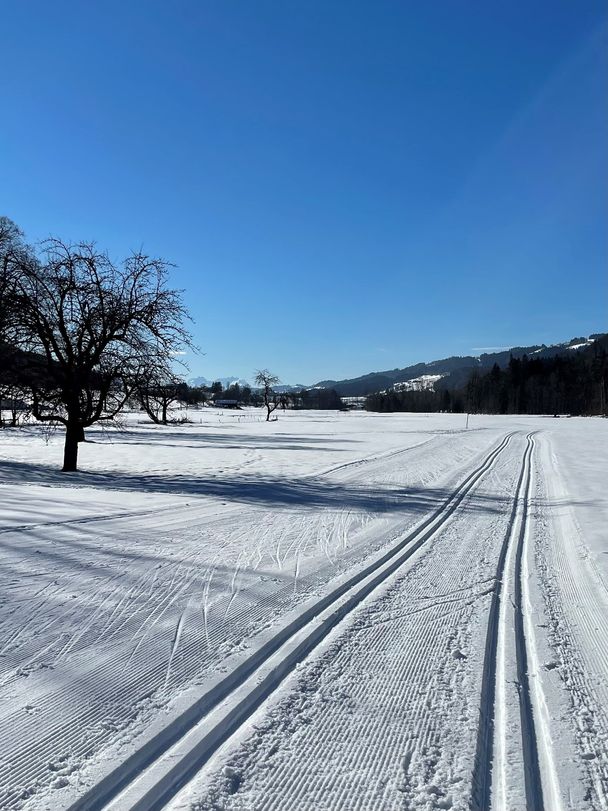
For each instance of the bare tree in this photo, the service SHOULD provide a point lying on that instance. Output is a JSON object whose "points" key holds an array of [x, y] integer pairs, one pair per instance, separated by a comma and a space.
{"points": [[157, 390], [93, 326], [266, 381]]}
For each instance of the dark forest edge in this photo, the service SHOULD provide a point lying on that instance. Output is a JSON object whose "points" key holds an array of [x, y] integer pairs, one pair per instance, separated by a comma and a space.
{"points": [[576, 385]]}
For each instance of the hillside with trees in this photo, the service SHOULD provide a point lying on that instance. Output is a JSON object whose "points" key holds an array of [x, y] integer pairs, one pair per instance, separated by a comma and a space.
{"points": [[574, 382], [456, 369]]}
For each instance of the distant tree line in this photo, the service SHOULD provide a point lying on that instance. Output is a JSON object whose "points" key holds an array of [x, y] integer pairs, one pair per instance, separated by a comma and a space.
{"points": [[574, 384], [427, 400], [268, 396], [202, 395]]}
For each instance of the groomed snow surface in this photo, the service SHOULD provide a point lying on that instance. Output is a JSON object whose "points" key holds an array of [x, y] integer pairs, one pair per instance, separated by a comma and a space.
{"points": [[327, 611]]}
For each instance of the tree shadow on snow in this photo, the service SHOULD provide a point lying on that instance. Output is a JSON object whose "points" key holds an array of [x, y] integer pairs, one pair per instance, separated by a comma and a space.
{"points": [[264, 492]]}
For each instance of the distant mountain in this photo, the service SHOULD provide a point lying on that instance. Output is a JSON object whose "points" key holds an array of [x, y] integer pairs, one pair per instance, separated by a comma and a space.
{"points": [[225, 381], [281, 388], [454, 371], [229, 381], [381, 381]]}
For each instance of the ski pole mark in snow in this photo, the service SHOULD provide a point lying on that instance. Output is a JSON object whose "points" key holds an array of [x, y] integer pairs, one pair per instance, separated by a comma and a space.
{"points": [[174, 646], [205, 602], [233, 587]]}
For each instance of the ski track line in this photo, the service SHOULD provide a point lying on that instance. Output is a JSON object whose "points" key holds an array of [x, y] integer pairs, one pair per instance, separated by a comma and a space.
{"points": [[22, 628], [490, 782], [298, 637], [45, 745], [380, 457], [90, 717], [92, 519], [139, 673], [492, 691], [384, 684], [533, 781], [550, 780], [179, 506]]}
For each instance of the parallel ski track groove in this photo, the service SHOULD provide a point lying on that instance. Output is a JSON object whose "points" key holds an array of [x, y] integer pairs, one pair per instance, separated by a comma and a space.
{"points": [[114, 783], [481, 799], [533, 782]]}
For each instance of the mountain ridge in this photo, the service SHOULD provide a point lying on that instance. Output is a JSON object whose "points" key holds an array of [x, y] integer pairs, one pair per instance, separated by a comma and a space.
{"points": [[229, 381], [454, 370]]}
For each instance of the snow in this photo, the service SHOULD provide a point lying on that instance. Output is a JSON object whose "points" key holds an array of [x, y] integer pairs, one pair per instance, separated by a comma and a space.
{"points": [[332, 576], [225, 381], [580, 345], [422, 383]]}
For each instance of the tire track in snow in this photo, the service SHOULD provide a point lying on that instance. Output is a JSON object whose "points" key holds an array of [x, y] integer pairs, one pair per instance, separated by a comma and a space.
{"points": [[152, 775]]}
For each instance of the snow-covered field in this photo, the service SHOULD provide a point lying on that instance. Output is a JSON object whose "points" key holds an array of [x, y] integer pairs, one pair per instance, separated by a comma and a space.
{"points": [[329, 611]]}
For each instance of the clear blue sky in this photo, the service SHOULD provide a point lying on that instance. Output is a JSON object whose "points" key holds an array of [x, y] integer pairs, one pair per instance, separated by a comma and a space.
{"points": [[344, 186]]}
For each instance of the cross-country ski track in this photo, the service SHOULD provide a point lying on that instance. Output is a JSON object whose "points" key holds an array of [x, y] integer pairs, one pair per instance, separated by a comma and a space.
{"points": [[298, 638], [395, 630], [490, 777]]}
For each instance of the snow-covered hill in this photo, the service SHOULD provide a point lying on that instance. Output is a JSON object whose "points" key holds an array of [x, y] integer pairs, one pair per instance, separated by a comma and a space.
{"points": [[422, 383]]}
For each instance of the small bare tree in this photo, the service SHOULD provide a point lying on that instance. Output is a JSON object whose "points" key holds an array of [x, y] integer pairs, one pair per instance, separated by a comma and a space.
{"points": [[14, 401], [157, 390], [265, 380], [93, 326]]}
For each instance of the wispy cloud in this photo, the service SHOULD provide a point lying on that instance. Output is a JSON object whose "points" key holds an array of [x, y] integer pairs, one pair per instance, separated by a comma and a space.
{"points": [[491, 348]]}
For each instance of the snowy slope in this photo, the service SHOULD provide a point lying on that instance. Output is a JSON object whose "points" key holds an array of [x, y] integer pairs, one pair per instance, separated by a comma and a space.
{"points": [[422, 383]]}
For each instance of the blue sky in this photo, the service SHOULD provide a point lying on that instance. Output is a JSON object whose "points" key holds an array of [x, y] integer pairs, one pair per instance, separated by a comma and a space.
{"points": [[343, 186]]}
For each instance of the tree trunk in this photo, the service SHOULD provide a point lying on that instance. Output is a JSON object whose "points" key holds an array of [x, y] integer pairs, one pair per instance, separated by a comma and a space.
{"points": [[70, 449]]}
